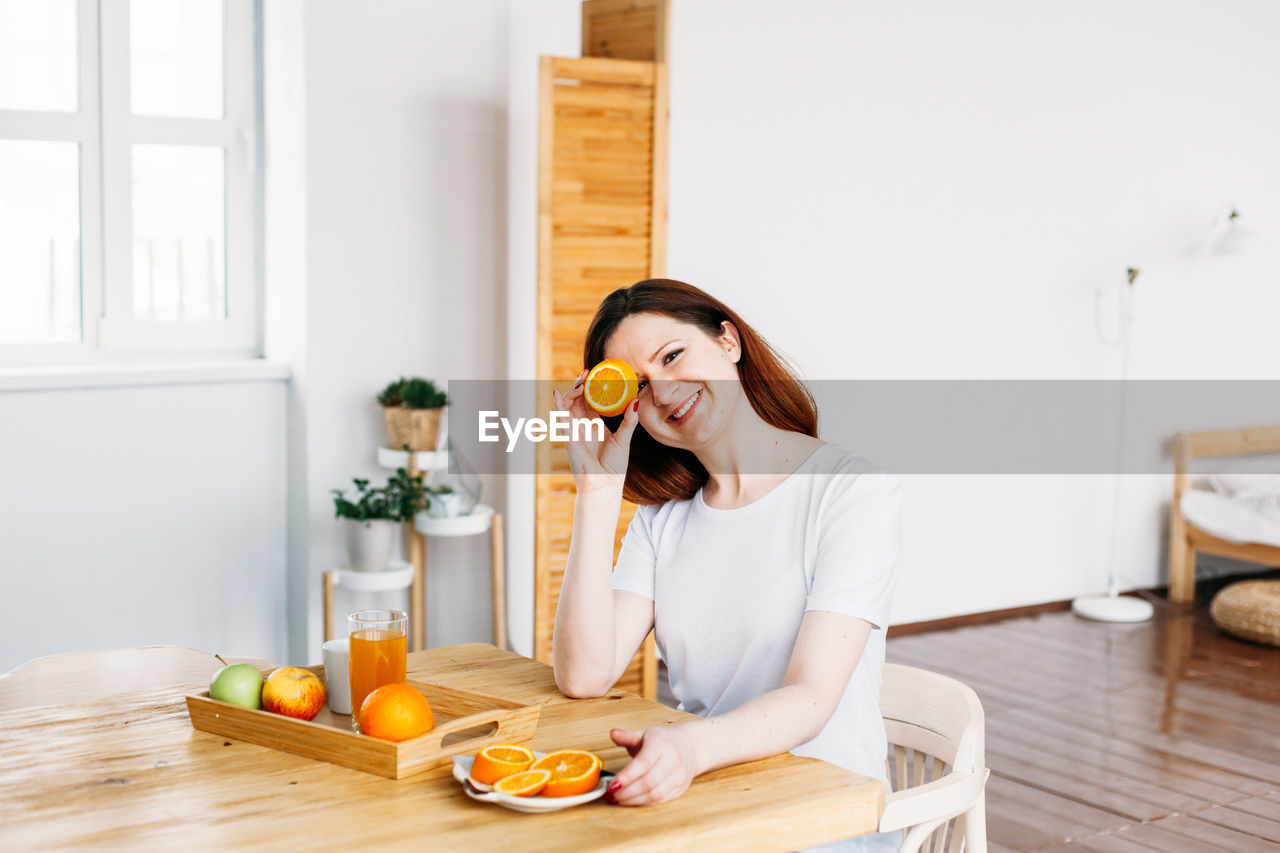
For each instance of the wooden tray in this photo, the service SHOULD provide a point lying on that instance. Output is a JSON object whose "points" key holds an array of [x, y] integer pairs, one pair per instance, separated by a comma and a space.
{"points": [[465, 722]]}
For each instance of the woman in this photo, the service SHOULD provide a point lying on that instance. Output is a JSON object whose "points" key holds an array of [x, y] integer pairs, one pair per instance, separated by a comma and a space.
{"points": [[762, 557]]}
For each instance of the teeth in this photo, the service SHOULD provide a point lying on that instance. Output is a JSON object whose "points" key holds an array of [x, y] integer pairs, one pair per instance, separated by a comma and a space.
{"points": [[681, 412]]}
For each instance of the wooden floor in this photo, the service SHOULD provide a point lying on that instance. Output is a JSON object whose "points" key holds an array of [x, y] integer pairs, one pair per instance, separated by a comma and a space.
{"points": [[1163, 735]]}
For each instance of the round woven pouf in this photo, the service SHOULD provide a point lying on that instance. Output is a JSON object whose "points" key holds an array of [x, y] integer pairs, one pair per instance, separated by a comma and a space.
{"points": [[1249, 610]]}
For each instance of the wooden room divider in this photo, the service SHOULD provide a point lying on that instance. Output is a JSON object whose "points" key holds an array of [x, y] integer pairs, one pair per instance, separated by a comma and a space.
{"points": [[602, 216]]}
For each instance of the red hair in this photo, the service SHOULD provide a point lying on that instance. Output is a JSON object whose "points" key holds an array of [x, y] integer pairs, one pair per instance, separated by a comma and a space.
{"points": [[657, 473]]}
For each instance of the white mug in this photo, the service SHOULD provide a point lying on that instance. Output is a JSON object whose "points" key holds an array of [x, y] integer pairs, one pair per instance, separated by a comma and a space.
{"points": [[337, 676]]}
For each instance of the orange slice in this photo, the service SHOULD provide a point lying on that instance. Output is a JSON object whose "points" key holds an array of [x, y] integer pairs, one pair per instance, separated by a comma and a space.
{"points": [[611, 385], [573, 772], [500, 761], [524, 784]]}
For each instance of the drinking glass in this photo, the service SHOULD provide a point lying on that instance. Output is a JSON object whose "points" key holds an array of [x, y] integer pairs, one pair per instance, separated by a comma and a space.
{"points": [[378, 645]]}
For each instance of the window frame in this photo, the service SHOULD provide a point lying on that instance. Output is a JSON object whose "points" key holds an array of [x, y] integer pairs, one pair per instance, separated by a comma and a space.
{"points": [[106, 131]]}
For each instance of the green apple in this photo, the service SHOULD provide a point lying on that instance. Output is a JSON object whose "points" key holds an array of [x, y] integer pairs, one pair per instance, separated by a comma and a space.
{"points": [[239, 684]]}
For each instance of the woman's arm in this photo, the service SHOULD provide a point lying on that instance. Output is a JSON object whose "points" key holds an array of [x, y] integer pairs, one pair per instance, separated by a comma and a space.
{"points": [[593, 623], [597, 630], [667, 758]]}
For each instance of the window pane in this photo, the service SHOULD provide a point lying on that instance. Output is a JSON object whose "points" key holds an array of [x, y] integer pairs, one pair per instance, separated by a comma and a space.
{"points": [[179, 233], [38, 55], [39, 241], [175, 52]]}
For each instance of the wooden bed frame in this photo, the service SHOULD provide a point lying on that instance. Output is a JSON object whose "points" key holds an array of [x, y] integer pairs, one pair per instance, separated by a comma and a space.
{"points": [[1185, 539]]}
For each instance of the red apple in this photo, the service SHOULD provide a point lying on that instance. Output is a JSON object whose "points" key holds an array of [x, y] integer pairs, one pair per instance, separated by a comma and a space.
{"points": [[293, 692]]}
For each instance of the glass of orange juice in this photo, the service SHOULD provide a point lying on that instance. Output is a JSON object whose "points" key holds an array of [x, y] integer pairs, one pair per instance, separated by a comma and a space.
{"points": [[377, 652]]}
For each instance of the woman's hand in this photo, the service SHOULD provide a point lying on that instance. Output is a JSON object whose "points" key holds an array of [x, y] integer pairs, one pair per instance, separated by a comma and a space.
{"points": [[663, 764], [597, 465]]}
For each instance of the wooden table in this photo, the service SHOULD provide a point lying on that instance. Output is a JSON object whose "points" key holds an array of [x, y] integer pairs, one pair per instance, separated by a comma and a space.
{"points": [[129, 771]]}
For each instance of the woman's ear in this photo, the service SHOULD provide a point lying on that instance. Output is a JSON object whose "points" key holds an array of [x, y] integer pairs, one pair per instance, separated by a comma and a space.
{"points": [[729, 341]]}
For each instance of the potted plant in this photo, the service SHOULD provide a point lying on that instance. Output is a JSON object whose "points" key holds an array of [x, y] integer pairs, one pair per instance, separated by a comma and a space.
{"points": [[412, 410], [372, 518]]}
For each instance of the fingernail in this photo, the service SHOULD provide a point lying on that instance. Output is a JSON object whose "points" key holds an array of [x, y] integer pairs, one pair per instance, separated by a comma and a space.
{"points": [[610, 798], [635, 407], [577, 384], [614, 785]]}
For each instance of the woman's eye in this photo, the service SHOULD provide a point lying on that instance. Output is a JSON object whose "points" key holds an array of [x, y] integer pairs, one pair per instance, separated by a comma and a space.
{"points": [[641, 386], [671, 355]]}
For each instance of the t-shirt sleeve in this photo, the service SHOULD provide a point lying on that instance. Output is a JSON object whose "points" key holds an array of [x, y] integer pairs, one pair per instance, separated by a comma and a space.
{"points": [[637, 559], [859, 544]]}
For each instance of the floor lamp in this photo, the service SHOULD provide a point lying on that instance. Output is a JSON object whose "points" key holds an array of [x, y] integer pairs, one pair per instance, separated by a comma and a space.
{"points": [[1112, 606], [1225, 238]]}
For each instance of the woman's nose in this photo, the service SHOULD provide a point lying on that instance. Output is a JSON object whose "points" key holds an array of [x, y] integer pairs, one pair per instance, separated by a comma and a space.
{"points": [[664, 391]]}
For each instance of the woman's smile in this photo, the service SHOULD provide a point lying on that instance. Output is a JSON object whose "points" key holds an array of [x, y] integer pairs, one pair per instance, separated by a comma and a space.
{"points": [[686, 409]]}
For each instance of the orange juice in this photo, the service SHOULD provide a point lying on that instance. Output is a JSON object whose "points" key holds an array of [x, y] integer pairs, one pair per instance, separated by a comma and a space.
{"points": [[377, 658]]}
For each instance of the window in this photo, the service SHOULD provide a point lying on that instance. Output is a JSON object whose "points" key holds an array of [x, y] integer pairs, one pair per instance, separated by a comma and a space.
{"points": [[129, 202]]}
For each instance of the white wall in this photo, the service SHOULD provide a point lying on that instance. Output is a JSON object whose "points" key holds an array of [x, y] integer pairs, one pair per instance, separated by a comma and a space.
{"points": [[886, 191], [926, 190], [146, 515], [201, 515], [404, 245], [552, 28]]}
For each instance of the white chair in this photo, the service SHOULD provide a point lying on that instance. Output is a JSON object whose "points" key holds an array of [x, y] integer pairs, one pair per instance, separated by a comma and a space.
{"points": [[936, 731], [87, 676]]}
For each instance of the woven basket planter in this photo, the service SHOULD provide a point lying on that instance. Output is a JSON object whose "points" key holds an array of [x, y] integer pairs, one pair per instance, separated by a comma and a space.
{"points": [[1249, 610], [417, 428]]}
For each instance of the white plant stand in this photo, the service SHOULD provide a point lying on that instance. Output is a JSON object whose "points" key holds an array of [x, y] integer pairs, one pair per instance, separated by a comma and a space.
{"points": [[481, 520], [399, 576], [422, 460]]}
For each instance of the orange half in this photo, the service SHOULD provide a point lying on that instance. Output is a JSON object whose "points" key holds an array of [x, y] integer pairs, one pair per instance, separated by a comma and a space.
{"points": [[611, 386], [573, 772], [500, 761], [527, 783]]}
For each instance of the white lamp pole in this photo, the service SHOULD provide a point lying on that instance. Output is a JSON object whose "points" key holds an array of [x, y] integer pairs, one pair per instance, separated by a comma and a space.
{"points": [[1114, 607]]}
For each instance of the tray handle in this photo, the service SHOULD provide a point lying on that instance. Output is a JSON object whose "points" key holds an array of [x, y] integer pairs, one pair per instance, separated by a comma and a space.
{"points": [[508, 722]]}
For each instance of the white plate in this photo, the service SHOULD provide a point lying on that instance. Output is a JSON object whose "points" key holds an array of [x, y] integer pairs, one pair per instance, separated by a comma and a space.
{"points": [[530, 805]]}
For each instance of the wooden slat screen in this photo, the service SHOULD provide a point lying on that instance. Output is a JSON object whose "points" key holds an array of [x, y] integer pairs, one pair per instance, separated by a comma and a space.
{"points": [[625, 29], [596, 233]]}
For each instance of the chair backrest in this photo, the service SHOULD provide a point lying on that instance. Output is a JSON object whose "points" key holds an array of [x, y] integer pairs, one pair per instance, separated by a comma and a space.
{"points": [[86, 676], [934, 714], [935, 727]]}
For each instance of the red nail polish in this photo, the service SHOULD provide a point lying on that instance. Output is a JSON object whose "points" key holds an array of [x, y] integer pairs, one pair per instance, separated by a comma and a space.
{"points": [[614, 785], [635, 407]]}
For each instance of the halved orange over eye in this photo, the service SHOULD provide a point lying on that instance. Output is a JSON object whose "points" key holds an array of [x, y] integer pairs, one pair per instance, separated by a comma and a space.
{"points": [[611, 386]]}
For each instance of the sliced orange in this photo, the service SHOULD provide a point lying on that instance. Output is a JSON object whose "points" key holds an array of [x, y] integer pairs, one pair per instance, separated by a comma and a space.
{"points": [[524, 784], [500, 761], [573, 772], [611, 385]]}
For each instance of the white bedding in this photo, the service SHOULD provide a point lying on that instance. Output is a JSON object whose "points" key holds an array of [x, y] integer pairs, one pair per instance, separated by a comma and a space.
{"points": [[1248, 516]]}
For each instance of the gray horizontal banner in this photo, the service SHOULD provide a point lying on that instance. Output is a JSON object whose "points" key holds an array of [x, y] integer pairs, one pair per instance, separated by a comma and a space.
{"points": [[995, 427]]}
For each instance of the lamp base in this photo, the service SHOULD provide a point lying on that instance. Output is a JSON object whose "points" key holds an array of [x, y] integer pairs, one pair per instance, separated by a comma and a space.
{"points": [[1107, 608]]}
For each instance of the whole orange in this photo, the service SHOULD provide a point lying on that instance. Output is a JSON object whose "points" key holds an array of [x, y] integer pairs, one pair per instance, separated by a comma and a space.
{"points": [[395, 712]]}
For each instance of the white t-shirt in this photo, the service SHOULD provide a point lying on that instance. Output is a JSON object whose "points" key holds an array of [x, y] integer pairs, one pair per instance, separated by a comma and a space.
{"points": [[730, 588]]}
